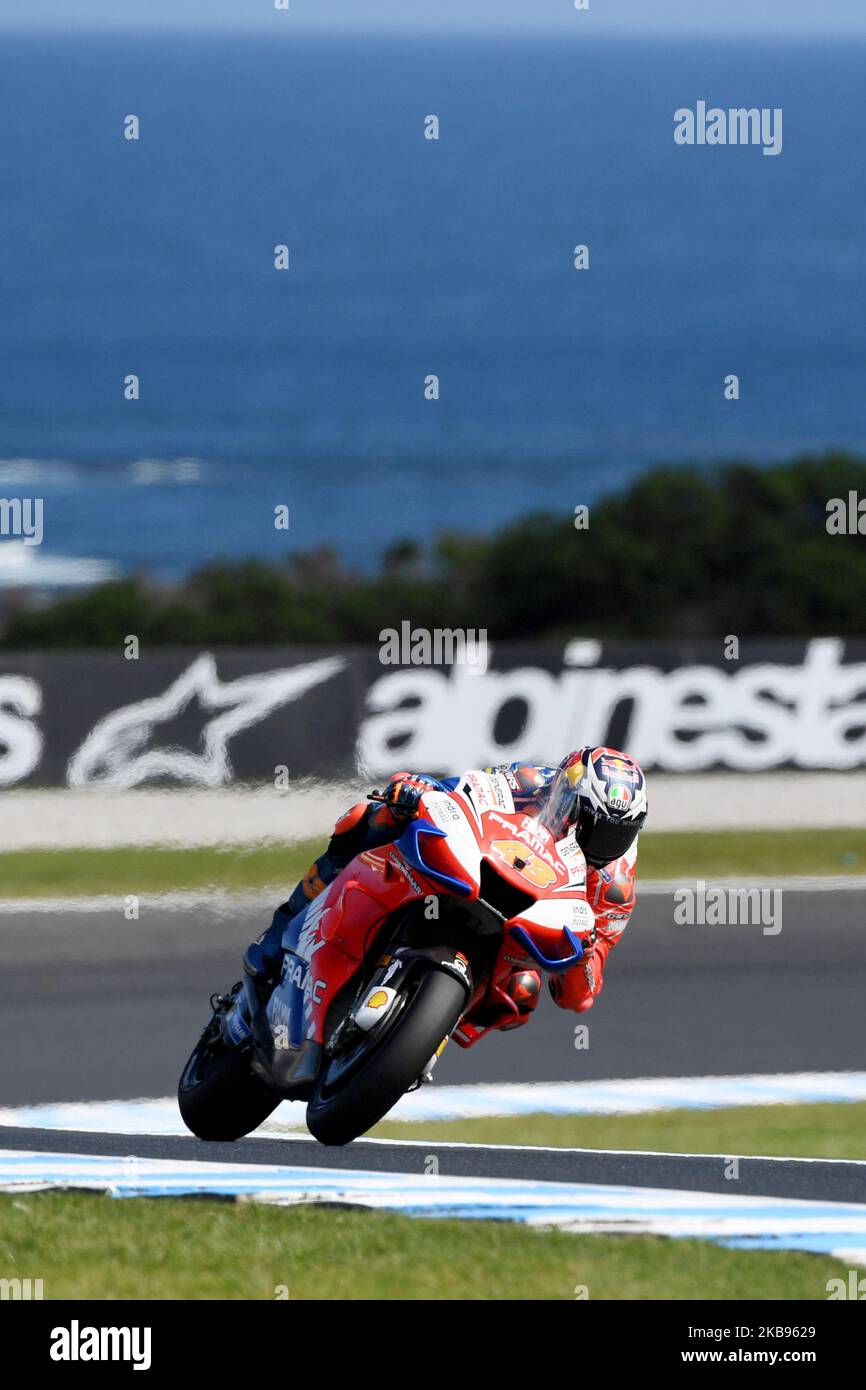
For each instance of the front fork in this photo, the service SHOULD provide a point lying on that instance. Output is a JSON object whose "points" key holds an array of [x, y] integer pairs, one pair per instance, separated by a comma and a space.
{"points": [[382, 993]]}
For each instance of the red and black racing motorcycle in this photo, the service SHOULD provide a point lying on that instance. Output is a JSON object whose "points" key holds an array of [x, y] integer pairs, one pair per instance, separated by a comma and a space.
{"points": [[471, 890]]}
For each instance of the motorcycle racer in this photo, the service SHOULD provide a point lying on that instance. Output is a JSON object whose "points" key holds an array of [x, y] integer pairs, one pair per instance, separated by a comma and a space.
{"points": [[598, 791]]}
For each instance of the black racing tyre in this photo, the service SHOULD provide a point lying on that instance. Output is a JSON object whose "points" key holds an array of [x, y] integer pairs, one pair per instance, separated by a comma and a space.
{"points": [[218, 1095], [338, 1112]]}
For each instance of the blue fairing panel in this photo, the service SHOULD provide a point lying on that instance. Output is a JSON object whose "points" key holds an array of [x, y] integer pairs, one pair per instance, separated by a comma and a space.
{"points": [[409, 845], [286, 1004]]}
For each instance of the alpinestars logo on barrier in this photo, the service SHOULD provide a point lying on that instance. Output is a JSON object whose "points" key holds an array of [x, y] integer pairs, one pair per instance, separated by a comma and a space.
{"points": [[123, 750], [756, 715]]}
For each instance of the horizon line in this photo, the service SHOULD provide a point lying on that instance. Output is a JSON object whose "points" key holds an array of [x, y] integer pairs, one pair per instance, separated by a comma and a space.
{"points": [[420, 30]]}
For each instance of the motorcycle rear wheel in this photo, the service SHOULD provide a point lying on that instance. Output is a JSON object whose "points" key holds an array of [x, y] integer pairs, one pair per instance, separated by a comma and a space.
{"points": [[339, 1113], [218, 1095]]}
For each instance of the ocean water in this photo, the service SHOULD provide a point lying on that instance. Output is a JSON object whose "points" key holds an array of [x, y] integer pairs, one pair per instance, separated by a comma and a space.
{"points": [[408, 257]]}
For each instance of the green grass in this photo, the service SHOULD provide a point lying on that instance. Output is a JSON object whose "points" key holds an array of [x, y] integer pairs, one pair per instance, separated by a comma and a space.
{"points": [[794, 1131], [87, 1246], [60, 873], [125, 870], [721, 853]]}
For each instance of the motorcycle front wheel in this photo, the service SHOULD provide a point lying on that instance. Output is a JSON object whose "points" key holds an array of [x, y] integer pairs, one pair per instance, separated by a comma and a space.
{"points": [[346, 1103]]}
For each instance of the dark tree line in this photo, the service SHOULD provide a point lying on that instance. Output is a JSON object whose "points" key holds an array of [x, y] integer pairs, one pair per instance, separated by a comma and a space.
{"points": [[681, 552]]}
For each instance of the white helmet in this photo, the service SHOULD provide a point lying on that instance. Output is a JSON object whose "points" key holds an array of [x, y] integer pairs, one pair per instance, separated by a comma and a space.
{"points": [[601, 792]]}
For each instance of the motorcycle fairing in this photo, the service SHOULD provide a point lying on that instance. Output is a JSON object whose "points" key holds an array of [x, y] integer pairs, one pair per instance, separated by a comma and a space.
{"points": [[441, 851]]}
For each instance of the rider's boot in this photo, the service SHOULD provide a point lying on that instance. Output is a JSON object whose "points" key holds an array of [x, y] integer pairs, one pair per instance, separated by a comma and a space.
{"points": [[263, 958]]}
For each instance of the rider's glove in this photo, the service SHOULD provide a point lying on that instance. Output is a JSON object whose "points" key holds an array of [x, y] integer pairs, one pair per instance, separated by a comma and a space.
{"points": [[403, 795], [587, 941]]}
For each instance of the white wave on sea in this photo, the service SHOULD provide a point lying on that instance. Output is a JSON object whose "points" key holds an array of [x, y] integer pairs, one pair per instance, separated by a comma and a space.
{"points": [[17, 472], [138, 472], [31, 567], [151, 472]]}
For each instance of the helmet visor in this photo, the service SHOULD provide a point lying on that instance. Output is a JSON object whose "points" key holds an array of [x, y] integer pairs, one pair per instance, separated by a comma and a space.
{"points": [[602, 839], [560, 807]]}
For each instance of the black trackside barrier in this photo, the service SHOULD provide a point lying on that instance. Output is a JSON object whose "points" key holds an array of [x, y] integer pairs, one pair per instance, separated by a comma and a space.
{"points": [[191, 718]]}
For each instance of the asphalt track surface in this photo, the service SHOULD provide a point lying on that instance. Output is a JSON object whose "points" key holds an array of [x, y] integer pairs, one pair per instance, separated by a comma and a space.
{"points": [[809, 1180], [96, 1007], [99, 1008]]}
